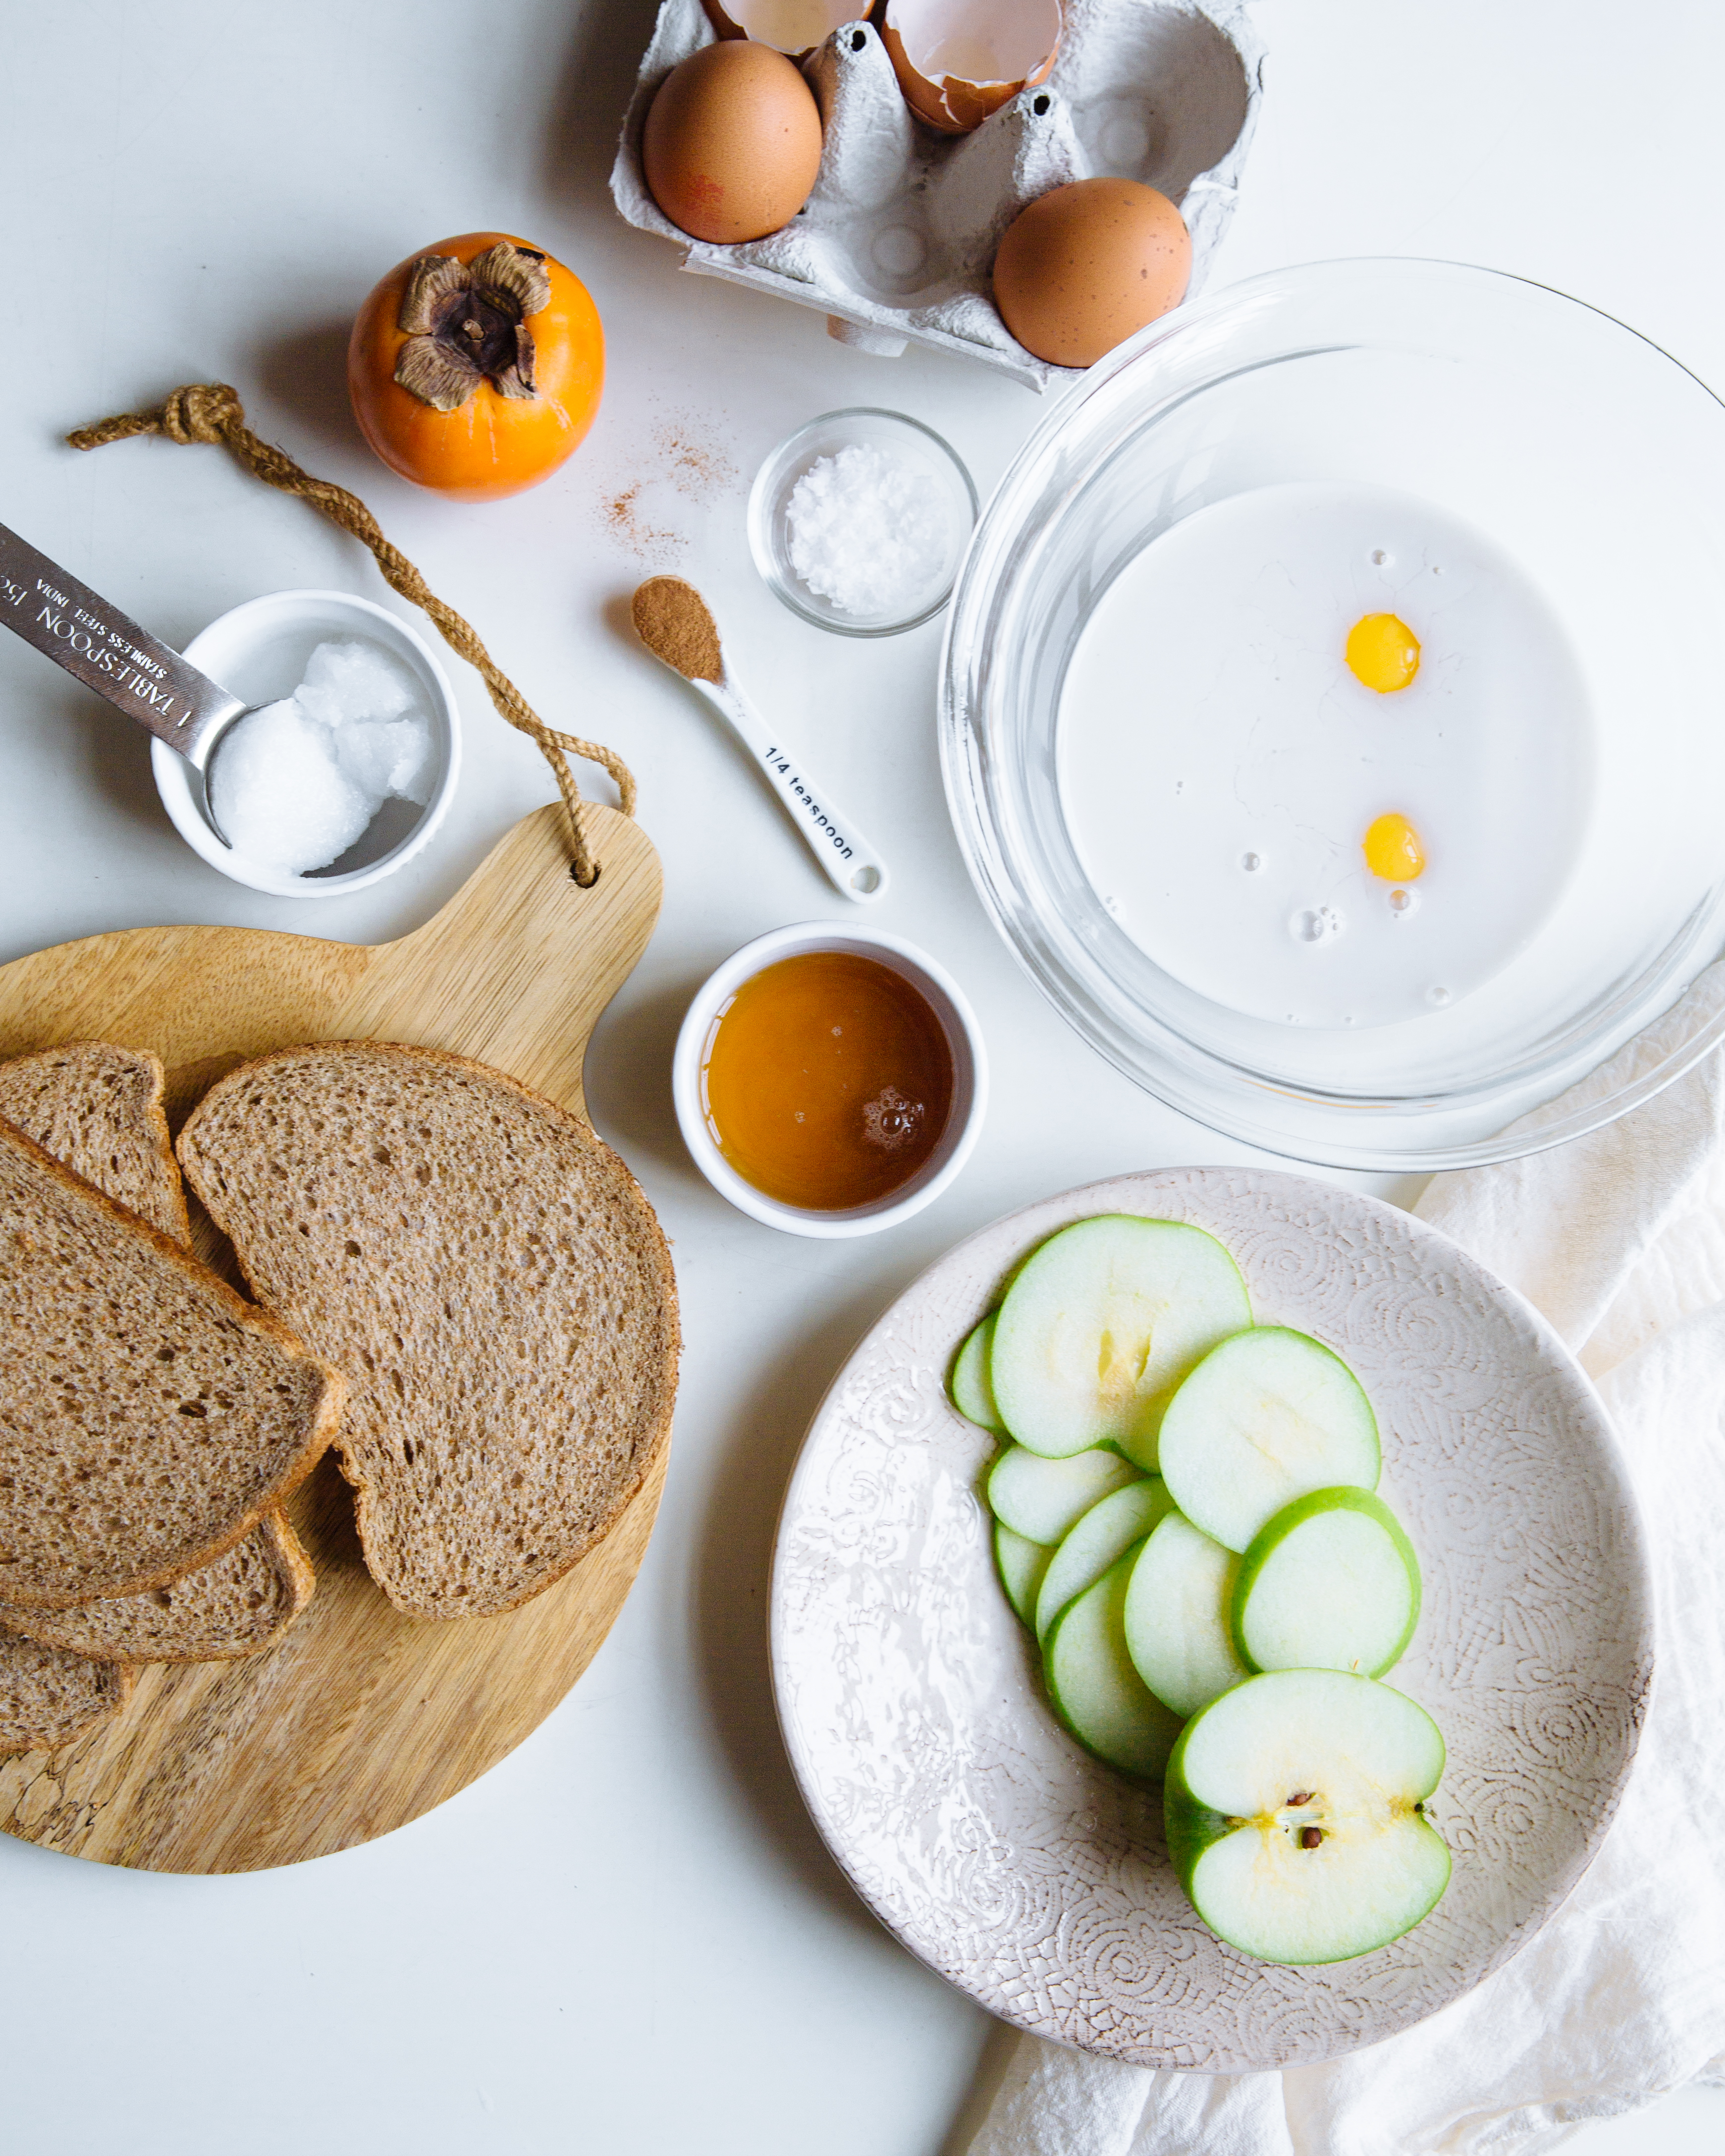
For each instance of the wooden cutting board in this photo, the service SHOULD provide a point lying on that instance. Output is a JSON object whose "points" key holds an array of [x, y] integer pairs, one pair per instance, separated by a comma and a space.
{"points": [[361, 1719]]}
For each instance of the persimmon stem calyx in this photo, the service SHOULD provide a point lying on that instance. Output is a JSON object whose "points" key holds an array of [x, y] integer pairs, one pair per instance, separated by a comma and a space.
{"points": [[466, 322]]}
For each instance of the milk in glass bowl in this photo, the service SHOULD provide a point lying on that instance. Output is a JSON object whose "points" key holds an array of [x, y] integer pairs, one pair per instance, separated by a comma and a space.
{"points": [[1330, 715]]}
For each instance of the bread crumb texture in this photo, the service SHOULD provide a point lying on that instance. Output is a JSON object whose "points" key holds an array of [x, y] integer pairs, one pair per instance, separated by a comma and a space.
{"points": [[242, 1602], [99, 1109], [48, 1699], [148, 1417], [493, 1282]]}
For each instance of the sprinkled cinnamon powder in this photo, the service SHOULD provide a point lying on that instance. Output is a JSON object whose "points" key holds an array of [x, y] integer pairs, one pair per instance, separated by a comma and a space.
{"points": [[626, 519], [696, 465], [672, 620], [683, 464]]}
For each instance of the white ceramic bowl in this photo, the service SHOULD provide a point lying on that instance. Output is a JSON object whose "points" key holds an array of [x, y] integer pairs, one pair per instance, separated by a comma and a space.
{"points": [[259, 651], [970, 1078]]}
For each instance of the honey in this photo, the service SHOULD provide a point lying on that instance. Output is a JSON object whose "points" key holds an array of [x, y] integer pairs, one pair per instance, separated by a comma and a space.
{"points": [[828, 1080]]}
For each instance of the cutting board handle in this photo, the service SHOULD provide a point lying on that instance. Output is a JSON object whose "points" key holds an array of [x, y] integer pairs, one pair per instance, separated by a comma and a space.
{"points": [[517, 967]]}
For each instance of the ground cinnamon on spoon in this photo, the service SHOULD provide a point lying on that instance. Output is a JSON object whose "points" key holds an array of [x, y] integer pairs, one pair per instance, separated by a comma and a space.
{"points": [[672, 620]]}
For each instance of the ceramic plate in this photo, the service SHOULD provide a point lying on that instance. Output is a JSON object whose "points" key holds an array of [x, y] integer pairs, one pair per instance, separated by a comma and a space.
{"points": [[1036, 1880]]}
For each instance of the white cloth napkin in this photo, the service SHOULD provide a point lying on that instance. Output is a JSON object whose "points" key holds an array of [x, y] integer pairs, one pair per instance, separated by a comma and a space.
{"points": [[1620, 1238]]}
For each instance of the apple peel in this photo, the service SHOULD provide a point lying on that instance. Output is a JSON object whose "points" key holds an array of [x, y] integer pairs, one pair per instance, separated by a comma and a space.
{"points": [[1295, 1811]]}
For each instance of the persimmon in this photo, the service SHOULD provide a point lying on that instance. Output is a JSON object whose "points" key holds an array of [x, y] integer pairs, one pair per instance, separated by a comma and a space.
{"points": [[475, 367]]}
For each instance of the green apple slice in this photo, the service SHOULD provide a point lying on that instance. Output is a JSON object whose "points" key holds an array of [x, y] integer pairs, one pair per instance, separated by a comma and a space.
{"points": [[1176, 1617], [1107, 1531], [1267, 1417], [1293, 1811], [1022, 1565], [972, 1394], [1102, 1323], [1330, 1583], [1043, 1500], [1095, 1691]]}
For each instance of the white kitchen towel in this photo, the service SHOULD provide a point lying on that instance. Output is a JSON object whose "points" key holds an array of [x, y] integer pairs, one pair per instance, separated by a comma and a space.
{"points": [[1620, 1238]]}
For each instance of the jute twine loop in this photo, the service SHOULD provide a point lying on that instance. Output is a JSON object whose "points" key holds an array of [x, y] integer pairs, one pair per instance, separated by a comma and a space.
{"points": [[212, 412]]}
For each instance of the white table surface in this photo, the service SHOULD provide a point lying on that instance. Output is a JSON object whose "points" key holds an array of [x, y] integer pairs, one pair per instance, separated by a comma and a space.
{"points": [[627, 1939]]}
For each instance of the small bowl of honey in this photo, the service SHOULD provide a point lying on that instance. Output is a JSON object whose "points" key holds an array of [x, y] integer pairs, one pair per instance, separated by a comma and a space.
{"points": [[829, 1082]]}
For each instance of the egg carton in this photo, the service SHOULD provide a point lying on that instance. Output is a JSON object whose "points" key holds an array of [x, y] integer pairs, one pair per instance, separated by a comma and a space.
{"points": [[896, 242]]}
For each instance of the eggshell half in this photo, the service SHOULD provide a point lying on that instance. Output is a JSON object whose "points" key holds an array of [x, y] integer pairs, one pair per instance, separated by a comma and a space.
{"points": [[795, 27], [732, 143], [1086, 265], [958, 60]]}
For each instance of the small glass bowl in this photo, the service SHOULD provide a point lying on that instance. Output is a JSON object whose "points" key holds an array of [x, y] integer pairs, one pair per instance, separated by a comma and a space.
{"points": [[769, 534]]}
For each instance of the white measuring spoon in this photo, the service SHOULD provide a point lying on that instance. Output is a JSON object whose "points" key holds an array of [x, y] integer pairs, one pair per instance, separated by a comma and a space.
{"points": [[853, 865]]}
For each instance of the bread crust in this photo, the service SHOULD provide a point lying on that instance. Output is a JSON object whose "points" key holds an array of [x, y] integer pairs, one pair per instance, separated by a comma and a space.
{"points": [[652, 1248], [324, 1421]]}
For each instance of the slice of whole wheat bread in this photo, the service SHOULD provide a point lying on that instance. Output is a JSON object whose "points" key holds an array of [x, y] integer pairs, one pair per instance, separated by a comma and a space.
{"points": [[49, 1698], [491, 1278], [149, 1417], [98, 1109], [242, 1602]]}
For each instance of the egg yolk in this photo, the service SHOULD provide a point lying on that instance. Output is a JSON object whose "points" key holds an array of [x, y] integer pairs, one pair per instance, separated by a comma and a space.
{"points": [[1393, 850], [1382, 652]]}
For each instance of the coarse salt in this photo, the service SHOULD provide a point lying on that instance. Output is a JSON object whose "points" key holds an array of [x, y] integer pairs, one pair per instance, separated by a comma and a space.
{"points": [[872, 532], [297, 783]]}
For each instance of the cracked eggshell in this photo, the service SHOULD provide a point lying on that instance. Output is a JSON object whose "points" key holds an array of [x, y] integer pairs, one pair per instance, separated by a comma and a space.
{"points": [[957, 61], [796, 27], [732, 143]]}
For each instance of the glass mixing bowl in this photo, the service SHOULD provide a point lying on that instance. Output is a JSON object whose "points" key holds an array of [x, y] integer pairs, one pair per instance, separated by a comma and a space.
{"points": [[1585, 452]]}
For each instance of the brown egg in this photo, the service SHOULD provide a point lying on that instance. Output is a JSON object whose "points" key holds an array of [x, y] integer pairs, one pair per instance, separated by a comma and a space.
{"points": [[732, 143], [1085, 265]]}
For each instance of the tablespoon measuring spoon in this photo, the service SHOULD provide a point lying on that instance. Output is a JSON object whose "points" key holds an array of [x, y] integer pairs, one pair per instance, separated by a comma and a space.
{"points": [[108, 652], [674, 621]]}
